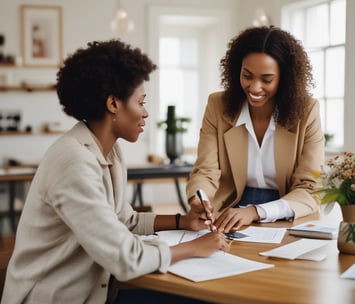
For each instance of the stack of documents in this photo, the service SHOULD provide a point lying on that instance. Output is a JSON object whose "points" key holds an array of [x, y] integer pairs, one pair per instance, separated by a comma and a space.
{"points": [[316, 229]]}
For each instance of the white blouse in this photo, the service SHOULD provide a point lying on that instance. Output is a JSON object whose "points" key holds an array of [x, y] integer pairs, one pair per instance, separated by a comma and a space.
{"points": [[261, 168]]}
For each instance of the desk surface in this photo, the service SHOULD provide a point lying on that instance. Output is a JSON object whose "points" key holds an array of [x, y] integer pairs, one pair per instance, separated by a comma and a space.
{"points": [[151, 171], [297, 281], [9, 174]]}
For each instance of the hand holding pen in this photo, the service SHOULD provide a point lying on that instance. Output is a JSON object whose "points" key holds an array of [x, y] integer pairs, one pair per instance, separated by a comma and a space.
{"points": [[204, 200]]}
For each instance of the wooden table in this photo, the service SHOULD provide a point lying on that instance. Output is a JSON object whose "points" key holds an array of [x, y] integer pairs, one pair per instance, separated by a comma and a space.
{"points": [[296, 281], [12, 176], [140, 174]]}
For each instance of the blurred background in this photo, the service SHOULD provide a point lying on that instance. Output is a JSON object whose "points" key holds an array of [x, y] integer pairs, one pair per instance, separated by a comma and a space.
{"points": [[187, 39]]}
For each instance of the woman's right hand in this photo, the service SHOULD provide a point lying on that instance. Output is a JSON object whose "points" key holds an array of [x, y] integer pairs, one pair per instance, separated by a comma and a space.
{"points": [[210, 242], [202, 246]]}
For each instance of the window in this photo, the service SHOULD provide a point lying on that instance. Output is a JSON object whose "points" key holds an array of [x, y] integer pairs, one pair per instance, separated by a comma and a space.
{"points": [[187, 43], [179, 80], [321, 26]]}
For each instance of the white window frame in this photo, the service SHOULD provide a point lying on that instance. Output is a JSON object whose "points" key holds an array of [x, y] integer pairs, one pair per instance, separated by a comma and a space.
{"points": [[286, 17], [217, 37]]}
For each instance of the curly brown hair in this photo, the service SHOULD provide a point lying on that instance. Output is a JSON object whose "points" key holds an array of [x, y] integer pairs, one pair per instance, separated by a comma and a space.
{"points": [[89, 76], [296, 78]]}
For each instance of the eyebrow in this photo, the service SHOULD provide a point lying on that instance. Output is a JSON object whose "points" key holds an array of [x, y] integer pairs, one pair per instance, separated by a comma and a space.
{"points": [[264, 75]]}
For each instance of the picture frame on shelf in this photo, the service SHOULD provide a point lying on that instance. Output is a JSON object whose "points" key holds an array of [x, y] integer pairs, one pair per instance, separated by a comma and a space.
{"points": [[41, 35]]}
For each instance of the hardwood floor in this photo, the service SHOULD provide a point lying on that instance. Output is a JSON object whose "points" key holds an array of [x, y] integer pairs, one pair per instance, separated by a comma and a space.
{"points": [[6, 245]]}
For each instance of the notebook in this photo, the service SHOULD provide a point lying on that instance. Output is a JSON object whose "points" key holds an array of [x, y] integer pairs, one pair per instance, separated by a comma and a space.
{"points": [[316, 230]]}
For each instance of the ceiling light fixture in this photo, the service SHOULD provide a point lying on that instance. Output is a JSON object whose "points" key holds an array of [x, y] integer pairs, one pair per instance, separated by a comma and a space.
{"points": [[120, 23], [261, 19]]}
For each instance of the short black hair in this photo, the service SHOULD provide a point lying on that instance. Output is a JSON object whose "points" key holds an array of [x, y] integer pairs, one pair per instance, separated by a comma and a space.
{"points": [[89, 76]]}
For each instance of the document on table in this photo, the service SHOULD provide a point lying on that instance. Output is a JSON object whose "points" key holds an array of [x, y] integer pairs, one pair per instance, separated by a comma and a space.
{"points": [[217, 265], [349, 273], [305, 249], [263, 234]]}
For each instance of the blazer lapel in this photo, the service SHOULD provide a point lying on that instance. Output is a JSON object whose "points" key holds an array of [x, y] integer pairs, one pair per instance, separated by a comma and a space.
{"points": [[285, 155], [236, 141]]}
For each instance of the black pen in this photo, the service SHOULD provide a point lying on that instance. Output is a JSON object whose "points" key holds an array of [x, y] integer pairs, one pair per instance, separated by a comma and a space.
{"points": [[203, 198]]}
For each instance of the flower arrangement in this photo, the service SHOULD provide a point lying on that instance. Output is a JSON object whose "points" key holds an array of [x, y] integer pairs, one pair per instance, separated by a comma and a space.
{"points": [[338, 180]]}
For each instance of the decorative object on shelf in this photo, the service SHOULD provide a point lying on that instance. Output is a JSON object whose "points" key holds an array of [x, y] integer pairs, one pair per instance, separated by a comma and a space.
{"points": [[338, 185], [5, 59], [41, 35], [174, 128], [54, 127], [10, 120], [2, 42]]}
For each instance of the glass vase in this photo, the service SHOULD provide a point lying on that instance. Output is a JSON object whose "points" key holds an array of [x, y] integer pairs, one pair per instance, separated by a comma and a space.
{"points": [[173, 146]]}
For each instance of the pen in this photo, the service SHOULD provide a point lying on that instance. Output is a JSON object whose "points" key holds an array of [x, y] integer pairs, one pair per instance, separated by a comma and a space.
{"points": [[203, 197]]}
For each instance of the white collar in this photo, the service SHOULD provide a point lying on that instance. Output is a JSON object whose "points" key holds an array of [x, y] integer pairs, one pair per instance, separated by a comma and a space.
{"points": [[244, 118]]}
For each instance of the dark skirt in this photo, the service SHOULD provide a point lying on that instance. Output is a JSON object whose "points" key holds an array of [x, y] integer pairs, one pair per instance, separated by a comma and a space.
{"points": [[255, 196]]}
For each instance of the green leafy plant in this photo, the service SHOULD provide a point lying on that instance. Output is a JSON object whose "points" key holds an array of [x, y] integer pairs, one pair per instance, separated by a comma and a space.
{"points": [[328, 138], [173, 124]]}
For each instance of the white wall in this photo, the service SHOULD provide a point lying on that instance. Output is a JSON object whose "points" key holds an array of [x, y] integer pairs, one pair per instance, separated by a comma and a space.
{"points": [[83, 21]]}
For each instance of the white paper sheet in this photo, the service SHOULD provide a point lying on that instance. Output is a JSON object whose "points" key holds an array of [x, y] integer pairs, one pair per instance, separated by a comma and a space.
{"points": [[173, 237], [305, 249], [349, 273], [218, 265], [263, 235]]}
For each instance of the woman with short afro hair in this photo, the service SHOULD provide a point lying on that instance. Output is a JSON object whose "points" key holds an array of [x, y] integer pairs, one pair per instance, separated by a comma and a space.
{"points": [[77, 233]]}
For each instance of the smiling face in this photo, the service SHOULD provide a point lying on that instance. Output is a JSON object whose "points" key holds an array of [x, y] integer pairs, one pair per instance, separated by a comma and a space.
{"points": [[259, 78], [131, 116]]}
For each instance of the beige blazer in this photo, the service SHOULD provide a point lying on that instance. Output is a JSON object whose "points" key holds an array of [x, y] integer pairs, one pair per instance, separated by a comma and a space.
{"points": [[221, 166], [76, 228]]}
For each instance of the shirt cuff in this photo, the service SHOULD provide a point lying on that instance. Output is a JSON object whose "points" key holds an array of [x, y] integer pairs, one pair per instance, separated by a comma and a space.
{"points": [[275, 210]]}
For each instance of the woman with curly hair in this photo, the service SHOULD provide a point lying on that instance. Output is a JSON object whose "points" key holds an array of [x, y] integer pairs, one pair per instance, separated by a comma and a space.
{"points": [[77, 228], [261, 137]]}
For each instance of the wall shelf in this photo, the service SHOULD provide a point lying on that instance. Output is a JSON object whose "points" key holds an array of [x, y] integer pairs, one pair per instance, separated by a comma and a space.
{"points": [[4, 64], [27, 88], [14, 133], [24, 133]]}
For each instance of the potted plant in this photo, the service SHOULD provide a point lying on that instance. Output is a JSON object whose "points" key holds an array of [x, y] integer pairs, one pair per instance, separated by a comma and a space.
{"points": [[338, 185], [328, 137], [174, 128]]}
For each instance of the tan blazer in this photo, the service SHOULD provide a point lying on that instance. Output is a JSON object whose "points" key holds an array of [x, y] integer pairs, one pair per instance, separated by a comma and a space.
{"points": [[76, 228], [221, 166]]}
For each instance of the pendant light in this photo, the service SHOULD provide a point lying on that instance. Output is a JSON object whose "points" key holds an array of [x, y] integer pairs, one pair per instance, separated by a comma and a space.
{"points": [[121, 24]]}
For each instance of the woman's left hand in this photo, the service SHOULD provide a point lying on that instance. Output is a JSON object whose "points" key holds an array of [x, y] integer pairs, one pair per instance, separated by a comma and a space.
{"points": [[234, 218]]}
